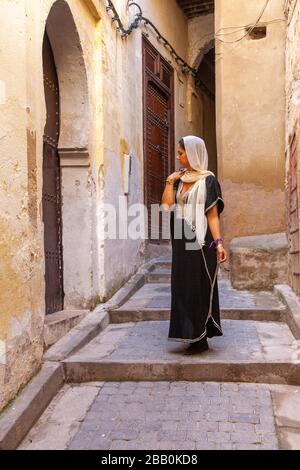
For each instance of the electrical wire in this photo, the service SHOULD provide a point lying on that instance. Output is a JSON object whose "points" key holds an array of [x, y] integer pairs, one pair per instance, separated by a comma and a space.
{"points": [[238, 28], [292, 14], [186, 68], [249, 31]]}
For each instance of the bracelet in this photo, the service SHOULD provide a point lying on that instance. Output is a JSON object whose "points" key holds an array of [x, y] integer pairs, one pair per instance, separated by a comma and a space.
{"points": [[171, 182], [215, 242]]}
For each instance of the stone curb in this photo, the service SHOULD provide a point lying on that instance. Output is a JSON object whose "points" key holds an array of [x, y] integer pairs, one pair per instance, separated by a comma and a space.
{"points": [[243, 372], [292, 316], [17, 420], [160, 314]]}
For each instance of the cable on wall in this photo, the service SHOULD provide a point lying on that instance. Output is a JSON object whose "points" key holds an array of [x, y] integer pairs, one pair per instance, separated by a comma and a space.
{"points": [[185, 67]]}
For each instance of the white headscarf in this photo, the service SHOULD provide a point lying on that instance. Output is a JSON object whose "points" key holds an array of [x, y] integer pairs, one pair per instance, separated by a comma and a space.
{"points": [[194, 209]]}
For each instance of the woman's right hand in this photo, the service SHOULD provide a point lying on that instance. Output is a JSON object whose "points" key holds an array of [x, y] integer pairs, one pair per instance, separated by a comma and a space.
{"points": [[175, 176]]}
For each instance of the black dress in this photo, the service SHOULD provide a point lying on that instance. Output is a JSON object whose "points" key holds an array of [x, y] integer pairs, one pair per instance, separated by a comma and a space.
{"points": [[195, 311]]}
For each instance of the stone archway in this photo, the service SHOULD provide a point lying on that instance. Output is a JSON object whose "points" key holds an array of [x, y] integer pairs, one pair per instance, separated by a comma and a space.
{"points": [[204, 49], [202, 95], [206, 84], [73, 154], [71, 71]]}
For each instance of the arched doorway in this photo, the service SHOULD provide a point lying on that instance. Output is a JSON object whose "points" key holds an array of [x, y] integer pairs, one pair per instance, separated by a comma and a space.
{"points": [[69, 228], [54, 294], [206, 84], [201, 21]]}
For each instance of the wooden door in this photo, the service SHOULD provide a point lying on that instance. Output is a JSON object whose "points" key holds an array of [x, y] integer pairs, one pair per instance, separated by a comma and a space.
{"points": [[54, 294], [159, 159], [294, 238]]}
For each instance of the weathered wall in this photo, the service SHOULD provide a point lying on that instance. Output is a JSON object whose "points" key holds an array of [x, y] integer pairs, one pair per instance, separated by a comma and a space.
{"points": [[23, 116], [250, 119], [100, 83], [21, 290]]}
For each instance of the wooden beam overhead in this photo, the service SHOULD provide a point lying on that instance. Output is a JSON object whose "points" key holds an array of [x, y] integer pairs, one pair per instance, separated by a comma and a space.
{"points": [[193, 8]]}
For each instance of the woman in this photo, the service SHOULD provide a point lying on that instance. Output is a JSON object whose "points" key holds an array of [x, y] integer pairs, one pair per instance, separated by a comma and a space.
{"points": [[197, 247]]}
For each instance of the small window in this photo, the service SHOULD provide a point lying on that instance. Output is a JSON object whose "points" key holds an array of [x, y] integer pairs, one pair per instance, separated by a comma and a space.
{"points": [[259, 32]]}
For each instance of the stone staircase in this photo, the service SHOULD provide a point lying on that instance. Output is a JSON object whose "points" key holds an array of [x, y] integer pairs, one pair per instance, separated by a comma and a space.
{"points": [[134, 389], [257, 345]]}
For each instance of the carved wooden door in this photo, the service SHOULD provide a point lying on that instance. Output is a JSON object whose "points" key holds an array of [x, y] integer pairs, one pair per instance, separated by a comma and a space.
{"points": [[158, 132]]}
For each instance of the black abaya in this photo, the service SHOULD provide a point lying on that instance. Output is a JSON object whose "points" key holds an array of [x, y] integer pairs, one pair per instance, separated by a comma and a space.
{"points": [[195, 312]]}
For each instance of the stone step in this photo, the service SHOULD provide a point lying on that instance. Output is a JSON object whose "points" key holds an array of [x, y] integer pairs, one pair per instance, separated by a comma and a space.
{"points": [[161, 275], [123, 315], [162, 265], [152, 302], [249, 351]]}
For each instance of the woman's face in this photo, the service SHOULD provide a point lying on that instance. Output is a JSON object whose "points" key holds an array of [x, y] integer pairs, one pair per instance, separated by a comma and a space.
{"points": [[182, 157]]}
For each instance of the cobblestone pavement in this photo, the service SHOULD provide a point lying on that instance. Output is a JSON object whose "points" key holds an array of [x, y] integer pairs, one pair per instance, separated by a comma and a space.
{"points": [[179, 415], [164, 415]]}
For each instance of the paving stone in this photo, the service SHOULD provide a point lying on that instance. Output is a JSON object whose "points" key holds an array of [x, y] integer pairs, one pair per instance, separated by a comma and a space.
{"points": [[224, 446], [265, 428], [127, 435], [244, 437], [247, 447], [172, 435], [196, 435], [222, 416], [159, 302], [226, 427], [245, 418], [205, 445], [244, 427], [218, 437]]}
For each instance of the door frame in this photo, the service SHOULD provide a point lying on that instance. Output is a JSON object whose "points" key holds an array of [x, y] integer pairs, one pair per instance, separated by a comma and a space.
{"points": [[149, 76]]}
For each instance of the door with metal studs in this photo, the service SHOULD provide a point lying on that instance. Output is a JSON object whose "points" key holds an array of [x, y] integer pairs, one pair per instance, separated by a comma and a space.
{"points": [[52, 217]]}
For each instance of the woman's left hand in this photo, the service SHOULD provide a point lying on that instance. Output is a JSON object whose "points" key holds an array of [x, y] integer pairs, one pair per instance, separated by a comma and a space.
{"points": [[221, 253]]}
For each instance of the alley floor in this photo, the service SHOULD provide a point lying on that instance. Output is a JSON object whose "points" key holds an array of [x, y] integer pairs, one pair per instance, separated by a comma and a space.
{"points": [[131, 388]]}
